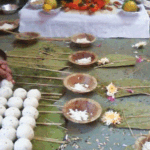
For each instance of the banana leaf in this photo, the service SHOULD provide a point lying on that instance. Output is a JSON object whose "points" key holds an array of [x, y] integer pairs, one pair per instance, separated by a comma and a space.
{"points": [[101, 90], [136, 115], [129, 148], [117, 60], [48, 55], [28, 67]]}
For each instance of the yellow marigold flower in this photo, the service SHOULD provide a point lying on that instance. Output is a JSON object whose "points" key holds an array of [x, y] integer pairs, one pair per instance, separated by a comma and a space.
{"points": [[111, 90], [111, 117]]}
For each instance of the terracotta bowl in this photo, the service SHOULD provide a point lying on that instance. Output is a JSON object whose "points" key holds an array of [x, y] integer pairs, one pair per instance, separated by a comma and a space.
{"points": [[15, 23], [93, 108], [89, 37], [141, 141], [26, 36], [73, 79], [83, 54]]}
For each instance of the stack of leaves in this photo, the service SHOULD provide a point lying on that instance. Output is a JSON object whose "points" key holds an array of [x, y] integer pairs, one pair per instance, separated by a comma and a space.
{"points": [[25, 62]]}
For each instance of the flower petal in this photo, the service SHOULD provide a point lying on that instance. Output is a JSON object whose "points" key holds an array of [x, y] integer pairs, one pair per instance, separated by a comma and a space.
{"points": [[112, 99]]}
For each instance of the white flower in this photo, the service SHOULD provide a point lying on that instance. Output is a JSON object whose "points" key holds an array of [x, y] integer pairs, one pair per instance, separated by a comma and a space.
{"points": [[140, 44], [103, 61], [111, 90], [111, 117]]}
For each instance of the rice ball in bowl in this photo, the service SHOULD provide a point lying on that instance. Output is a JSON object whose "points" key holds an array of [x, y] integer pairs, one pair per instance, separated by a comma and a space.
{"points": [[6, 92], [23, 144], [25, 131], [15, 102], [10, 121], [6, 83], [28, 121], [13, 111], [30, 111], [20, 92], [34, 93], [8, 132], [6, 144]]}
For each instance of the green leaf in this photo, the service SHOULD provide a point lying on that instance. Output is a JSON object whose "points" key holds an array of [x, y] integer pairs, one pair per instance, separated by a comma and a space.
{"points": [[136, 115], [20, 66], [125, 83], [129, 148], [117, 60]]}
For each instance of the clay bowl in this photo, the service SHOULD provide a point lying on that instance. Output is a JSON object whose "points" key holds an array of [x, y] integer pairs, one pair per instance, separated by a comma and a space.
{"points": [[73, 79], [27, 36], [89, 37], [141, 141], [83, 54], [15, 24], [93, 108]]}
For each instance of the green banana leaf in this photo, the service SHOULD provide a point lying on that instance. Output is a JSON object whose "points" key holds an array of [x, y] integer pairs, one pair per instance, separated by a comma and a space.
{"points": [[101, 90], [117, 60]]}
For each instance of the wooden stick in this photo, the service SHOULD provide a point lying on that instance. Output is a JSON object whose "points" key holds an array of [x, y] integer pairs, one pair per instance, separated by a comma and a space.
{"points": [[51, 97], [49, 85], [26, 63], [49, 140], [55, 39], [57, 94], [138, 116], [48, 124], [133, 87], [40, 77], [51, 112], [49, 100], [56, 53], [113, 63], [29, 57], [128, 124], [58, 126], [45, 69], [45, 105]]}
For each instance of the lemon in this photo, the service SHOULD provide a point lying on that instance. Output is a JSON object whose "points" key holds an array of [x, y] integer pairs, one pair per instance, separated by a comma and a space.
{"points": [[107, 1], [53, 3], [130, 6], [47, 7]]}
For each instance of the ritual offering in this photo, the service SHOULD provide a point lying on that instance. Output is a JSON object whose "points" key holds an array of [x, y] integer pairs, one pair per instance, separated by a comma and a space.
{"points": [[10, 121], [83, 58], [6, 83], [143, 142], [15, 102], [13, 111], [8, 132], [3, 101], [25, 131], [23, 143], [2, 110], [31, 101], [83, 39], [30, 111], [80, 83], [8, 25], [34, 93], [6, 144], [28, 121], [6, 92], [20, 92], [82, 110]]}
